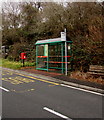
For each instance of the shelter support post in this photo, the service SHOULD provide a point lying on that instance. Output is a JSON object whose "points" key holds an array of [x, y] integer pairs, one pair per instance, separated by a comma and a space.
{"points": [[66, 66], [62, 64], [36, 56], [48, 59]]}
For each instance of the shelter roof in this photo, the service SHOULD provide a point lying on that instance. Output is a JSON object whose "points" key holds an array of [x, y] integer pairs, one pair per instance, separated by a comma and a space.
{"points": [[47, 41]]}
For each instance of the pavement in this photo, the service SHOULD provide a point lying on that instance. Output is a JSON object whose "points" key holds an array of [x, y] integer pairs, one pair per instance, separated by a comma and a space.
{"points": [[63, 79], [27, 95]]}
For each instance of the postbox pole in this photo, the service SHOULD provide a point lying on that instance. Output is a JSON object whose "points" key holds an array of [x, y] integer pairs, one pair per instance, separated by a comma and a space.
{"points": [[23, 61]]}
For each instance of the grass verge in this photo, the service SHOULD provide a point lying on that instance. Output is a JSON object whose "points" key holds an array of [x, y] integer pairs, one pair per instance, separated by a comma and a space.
{"points": [[15, 65]]}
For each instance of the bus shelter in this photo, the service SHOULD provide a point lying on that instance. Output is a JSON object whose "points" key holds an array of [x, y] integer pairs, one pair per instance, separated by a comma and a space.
{"points": [[54, 54]]}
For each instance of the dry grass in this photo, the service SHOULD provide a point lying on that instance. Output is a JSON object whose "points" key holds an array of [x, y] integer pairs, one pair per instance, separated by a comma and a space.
{"points": [[86, 77]]}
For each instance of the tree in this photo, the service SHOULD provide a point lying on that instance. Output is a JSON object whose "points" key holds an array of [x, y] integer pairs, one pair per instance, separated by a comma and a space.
{"points": [[86, 33], [52, 21], [34, 21], [10, 24], [29, 18]]}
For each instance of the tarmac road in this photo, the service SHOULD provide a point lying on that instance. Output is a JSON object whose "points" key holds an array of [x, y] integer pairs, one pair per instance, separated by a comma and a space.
{"points": [[25, 96]]}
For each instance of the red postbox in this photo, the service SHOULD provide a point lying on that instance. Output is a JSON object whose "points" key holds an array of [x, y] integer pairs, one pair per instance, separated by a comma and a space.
{"points": [[23, 55]]}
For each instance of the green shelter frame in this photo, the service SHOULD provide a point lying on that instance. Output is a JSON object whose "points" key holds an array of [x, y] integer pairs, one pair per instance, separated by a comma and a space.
{"points": [[54, 54]]}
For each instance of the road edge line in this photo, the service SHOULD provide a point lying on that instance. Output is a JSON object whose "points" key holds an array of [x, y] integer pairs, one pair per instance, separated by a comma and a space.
{"points": [[82, 89], [4, 89], [56, 113]]}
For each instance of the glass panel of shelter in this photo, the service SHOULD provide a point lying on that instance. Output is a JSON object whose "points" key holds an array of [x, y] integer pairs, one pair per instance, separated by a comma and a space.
{"points": [[51, 57], [41, 58], [55, 57], [69, 56]]}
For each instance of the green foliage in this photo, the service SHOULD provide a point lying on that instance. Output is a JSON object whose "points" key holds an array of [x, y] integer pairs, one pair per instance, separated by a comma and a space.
{"points": [[16, 49], [36, 21], [15, 65]]}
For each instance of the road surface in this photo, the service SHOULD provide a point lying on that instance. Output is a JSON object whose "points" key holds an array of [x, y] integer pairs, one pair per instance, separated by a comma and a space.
{"points": [[25, 96]]}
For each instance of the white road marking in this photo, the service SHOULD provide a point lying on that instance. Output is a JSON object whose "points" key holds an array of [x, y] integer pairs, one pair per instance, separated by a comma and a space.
{"points": [[56, 113], [82, 89], [4, 89]]}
